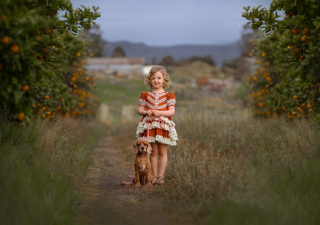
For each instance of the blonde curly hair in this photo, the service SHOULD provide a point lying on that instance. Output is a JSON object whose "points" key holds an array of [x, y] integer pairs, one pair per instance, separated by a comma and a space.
{"points": [[166, 78]]}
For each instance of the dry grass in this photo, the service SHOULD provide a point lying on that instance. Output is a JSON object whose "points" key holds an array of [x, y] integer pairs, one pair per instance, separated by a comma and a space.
{"points": [[239, 170], [41, 168]]}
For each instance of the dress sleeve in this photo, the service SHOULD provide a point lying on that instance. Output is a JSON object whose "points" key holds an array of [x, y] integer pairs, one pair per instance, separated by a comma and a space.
{"points": [[142, 100], [171, 99]]}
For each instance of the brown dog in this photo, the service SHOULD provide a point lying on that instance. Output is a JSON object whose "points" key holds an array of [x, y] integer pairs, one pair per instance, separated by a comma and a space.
{"points": [[142, 165]]}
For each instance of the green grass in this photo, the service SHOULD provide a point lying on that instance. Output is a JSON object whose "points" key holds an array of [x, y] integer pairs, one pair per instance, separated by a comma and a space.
{"points": [[121, 91], [41, 168]]}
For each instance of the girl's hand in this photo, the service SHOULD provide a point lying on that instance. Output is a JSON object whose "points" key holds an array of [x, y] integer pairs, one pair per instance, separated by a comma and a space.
{"points": [[156, 113], [149, 112]]}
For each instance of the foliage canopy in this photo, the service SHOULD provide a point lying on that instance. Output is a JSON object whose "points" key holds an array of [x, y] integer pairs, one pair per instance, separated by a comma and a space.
{"points": [[288, 78]]}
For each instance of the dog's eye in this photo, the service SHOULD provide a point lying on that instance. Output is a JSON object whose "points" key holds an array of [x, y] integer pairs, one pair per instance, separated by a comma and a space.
{"points": [[145, 144], [139, 144]]}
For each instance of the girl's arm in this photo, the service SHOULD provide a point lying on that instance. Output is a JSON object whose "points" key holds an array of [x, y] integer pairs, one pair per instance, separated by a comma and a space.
{"points": [[142, 111], [170, 112]]}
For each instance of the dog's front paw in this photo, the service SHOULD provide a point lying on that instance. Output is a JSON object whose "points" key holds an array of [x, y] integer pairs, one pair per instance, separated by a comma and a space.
{"points": [[148, 185], [138, 185]]}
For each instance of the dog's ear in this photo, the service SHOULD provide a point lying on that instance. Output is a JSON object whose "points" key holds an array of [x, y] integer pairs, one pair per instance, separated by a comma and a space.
{"points": [[149, 149], [134, 147]]}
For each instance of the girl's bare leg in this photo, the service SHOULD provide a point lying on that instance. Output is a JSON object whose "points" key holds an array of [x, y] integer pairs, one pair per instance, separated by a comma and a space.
{"points": [[163, 159], [154, 158]]}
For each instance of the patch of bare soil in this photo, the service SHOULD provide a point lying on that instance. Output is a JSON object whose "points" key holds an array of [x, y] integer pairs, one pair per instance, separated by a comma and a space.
{"points": [[105, 201]]}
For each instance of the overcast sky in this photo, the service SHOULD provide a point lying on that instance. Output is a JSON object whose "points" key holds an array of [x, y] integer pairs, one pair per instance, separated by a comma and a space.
{"points": [[172, 22]]}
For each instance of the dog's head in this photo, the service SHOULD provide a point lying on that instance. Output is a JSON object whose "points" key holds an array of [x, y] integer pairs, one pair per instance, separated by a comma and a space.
{"points": [[141, 146]]}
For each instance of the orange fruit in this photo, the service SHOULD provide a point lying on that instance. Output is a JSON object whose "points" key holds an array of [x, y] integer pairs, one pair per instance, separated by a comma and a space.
{"points": [[94, 84], [250, 54], [263, 54], [52, 117], [255, 79], [295, 31], [43, 115], [288, 47], [38, 38], [53, 47], [296, 51], [91, 54], [306, 30], [309, 106], [49, 113], [3, 17], [290, 117], [302, 57], [33, 105], [304, 39], [62, 99], [89, 44], [40, 57], [20, 116], [87, 78], [5, 40], [25, 88], [46, 97], [293, 113], [47, 31], [79, 54], [295, 97], [45, 51], [14, 48]]}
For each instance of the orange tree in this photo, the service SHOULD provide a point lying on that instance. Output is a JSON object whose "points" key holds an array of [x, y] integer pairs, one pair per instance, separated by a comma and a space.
{"points": [[42, 59], [287, 80]]}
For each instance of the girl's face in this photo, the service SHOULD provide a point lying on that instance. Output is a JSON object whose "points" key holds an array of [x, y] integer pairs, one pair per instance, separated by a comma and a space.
{"points": [[157, 80]]}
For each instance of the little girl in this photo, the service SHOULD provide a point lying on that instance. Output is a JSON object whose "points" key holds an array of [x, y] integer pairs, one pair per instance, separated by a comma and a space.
{"points": [[157, 107]]}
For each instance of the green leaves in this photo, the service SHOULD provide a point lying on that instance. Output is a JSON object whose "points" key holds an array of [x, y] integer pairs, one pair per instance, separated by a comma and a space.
{"points": [[17, 96], [43, 64], [292, 59]]}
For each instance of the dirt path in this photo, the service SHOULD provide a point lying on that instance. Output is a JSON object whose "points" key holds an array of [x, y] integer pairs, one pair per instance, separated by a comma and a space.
{"points": [[105, 201]]}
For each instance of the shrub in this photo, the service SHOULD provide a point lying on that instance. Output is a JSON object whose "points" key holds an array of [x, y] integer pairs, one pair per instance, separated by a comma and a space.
{"points": [[41, 59], [288, 78]]}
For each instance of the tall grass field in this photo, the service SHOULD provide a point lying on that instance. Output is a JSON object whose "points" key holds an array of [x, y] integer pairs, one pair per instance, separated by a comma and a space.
{"points": [[41, 168], [235, 169]]}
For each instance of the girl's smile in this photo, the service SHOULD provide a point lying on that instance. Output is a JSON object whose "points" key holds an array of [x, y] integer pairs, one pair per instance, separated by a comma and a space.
{"points": [[157, 81]]}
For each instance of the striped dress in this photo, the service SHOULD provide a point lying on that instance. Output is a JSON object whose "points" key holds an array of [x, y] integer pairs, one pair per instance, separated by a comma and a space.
{"points": [[162, 132]]}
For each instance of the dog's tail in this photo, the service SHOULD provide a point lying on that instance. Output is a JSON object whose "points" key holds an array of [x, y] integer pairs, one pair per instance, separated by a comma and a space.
{"points": [[126, 184]]}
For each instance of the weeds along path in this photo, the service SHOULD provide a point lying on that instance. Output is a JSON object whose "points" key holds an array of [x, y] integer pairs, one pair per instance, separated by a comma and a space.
{"points": [[105, 201]]}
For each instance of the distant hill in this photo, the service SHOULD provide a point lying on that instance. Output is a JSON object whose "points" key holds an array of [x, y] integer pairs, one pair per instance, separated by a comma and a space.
{"points": [[218, 52]]}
